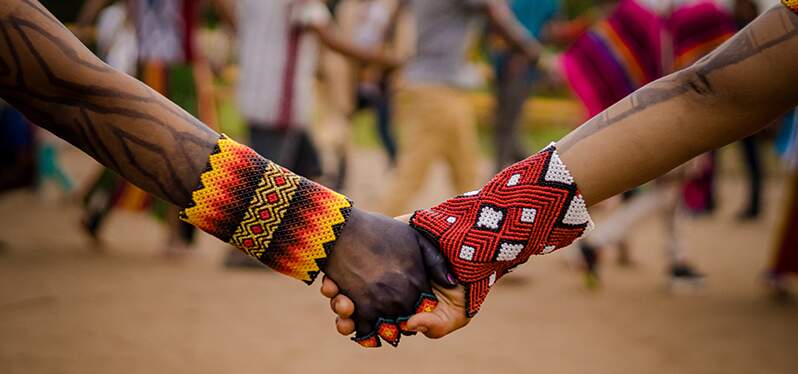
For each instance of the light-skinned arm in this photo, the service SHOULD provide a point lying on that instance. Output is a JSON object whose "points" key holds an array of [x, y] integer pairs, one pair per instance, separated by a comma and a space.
{"points": [[734, 92]]}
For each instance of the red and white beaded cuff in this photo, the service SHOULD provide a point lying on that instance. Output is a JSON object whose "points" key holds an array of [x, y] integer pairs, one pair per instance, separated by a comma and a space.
{"points": [[533, 207]]}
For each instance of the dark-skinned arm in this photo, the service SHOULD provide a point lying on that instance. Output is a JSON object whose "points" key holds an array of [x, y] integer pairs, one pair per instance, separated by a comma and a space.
{"points": [[47, 74]]}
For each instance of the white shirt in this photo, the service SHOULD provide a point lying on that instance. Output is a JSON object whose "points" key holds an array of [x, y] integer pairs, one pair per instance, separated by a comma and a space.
{"points": [[278, 60]]}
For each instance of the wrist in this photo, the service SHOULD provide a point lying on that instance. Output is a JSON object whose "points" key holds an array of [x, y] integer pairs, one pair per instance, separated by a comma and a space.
{"points": [[283, 220], [533, 207]]}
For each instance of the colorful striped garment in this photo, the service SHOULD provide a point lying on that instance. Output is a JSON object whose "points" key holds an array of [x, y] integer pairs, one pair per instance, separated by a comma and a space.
{"points": [[698, 29], [615, 57], [625, 51]]}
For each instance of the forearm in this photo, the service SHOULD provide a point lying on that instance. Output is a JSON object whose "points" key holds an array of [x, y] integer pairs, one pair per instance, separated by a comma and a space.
{"points": [[505, 23], [735, 91], [332, 38], [243, 198], [46, 73]]}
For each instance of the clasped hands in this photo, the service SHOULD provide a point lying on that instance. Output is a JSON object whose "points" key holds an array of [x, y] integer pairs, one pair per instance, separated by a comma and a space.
{"points": [[380, 267], [379, 271]]}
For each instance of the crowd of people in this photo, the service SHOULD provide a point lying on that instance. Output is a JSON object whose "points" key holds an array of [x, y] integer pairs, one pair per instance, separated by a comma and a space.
{"points": [[304, 68]]}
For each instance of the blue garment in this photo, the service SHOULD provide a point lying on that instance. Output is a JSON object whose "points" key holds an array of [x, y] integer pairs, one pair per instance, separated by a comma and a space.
{"points": [[534, 14], [15, 134]]}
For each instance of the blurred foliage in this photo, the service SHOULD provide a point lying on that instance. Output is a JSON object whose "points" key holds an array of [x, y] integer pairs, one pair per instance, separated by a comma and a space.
{"points": [[573, 8]]}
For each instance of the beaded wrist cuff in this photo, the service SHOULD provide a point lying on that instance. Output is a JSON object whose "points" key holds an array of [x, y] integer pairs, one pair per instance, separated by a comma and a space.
{"points": [[392, 330], [792, 4], [532, 207], [283, 220]]}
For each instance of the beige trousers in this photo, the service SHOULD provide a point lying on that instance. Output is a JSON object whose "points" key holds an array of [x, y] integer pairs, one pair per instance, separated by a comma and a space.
{"points": [[435, 122]]}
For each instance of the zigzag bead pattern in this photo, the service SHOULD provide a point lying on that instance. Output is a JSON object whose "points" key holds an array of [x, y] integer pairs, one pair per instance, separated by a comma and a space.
{"points": [[283, 220], [791, 4], [391, 331], [532, 207]]}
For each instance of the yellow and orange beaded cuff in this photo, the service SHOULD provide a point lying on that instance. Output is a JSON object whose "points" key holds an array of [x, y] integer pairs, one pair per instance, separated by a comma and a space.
{"points": [[283, 220], [792, 4]]}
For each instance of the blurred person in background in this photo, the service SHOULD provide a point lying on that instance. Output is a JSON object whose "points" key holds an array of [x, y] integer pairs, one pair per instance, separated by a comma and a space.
{"points": [[785, 253], [165, 56], [640, 41], [17, 150], [433, 116], [289, 223], [52, 180], [29, 156], [736, 90], [515, 75], [279, 43], [349, 86], [746, 11]]}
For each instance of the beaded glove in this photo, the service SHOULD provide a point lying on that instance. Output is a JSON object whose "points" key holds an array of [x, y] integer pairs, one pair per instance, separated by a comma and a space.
{"points": [[532, 207]]}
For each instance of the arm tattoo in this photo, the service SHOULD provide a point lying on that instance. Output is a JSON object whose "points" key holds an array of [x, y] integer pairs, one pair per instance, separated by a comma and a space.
{"points": [[47, 74], [697, 79]]}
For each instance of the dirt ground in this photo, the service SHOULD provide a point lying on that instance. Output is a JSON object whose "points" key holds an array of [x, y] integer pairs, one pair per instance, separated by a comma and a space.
{"points": [[67, 306]]}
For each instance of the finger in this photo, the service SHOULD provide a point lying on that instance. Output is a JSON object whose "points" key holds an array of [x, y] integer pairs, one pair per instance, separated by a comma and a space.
{"points": [[345, 326], [328, 288], [342, 306], [436, 264], [433, 325], [405, 218]]}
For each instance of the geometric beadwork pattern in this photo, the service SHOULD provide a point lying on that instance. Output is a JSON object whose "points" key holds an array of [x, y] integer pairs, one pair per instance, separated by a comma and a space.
{"points": [[530, 208], [391, 331], [283, 220], [271, 200], [791, 4]]}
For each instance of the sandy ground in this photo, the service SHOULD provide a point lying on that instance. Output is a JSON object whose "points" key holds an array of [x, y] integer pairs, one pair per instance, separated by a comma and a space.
{"points": [[68, 307]]}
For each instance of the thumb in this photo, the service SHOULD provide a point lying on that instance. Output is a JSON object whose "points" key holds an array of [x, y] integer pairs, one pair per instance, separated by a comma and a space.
{"points": [[436, 264], [433, 325]]}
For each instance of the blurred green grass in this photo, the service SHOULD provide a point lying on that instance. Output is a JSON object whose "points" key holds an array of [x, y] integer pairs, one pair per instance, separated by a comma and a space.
{"points": [[535, 134]]}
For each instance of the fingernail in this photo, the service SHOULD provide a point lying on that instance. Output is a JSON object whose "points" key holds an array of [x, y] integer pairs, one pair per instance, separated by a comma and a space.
{"points": [[451, 279]]}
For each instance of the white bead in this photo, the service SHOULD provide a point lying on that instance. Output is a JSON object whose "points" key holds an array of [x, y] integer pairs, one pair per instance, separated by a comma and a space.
{"points": [[509, 252], [577, 212], [471, 193], [528, 215], [557, 172], [467, 253], [490, 218]]}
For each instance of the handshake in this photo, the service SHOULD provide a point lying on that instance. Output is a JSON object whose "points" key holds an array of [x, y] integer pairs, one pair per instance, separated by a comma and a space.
{"points": [[386, 278]]}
